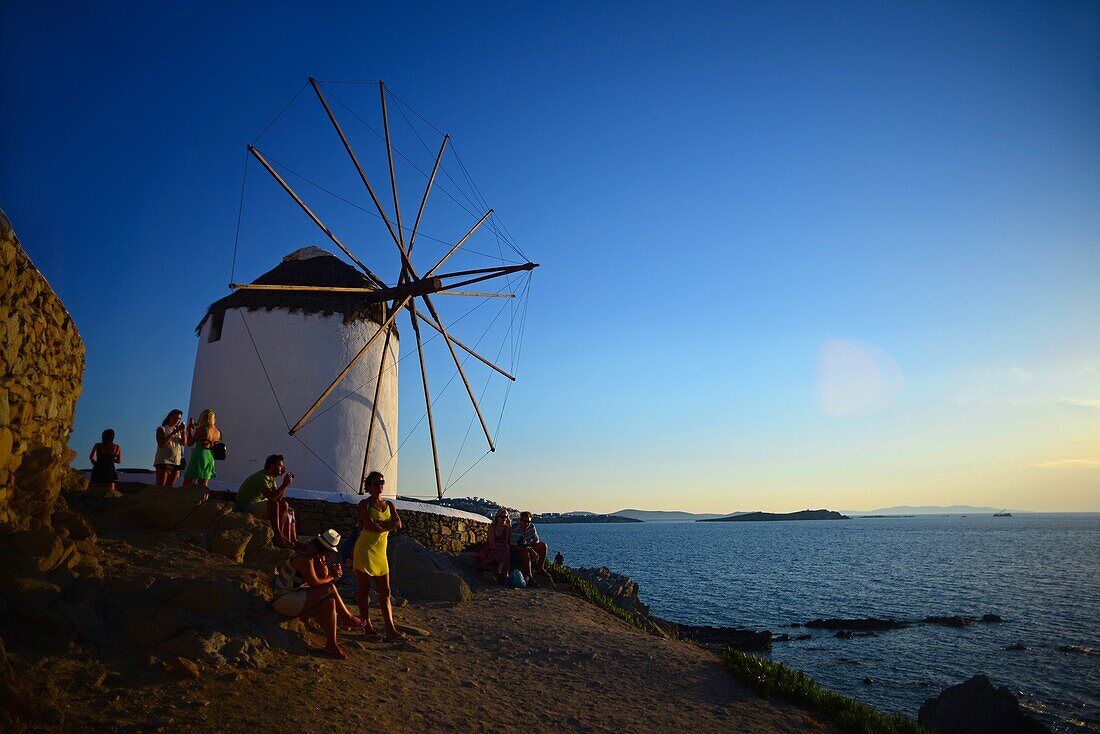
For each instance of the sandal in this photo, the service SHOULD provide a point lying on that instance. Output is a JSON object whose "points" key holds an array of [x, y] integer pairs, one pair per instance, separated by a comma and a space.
{"points": [[355, 624], [336, 652]]}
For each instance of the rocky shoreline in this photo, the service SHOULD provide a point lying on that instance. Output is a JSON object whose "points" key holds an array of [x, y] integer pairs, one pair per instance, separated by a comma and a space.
{"points": [[624, 591], [974, 706]]}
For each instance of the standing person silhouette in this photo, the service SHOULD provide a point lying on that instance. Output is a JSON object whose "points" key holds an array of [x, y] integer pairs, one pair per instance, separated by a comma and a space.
{"points": [[168, 459], [104, 456], [202, 435], [378, 518]]}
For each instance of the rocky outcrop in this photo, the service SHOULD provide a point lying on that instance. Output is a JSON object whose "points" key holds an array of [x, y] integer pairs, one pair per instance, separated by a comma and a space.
{"points": [[723, 637], [624, 592], [866, 623], [620, 589], [977, 707], [421, 574], [41, 364]]}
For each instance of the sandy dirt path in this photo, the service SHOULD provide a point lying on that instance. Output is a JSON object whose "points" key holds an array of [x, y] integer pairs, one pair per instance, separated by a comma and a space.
{"points": [[534, 660]]}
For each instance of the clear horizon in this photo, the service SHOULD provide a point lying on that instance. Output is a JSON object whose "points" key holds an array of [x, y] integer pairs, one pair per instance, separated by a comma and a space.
{"points": [[792, 256]]}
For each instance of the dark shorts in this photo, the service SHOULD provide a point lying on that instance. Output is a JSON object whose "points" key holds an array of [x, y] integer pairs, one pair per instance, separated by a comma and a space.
{"points": [[515, 553], [168, 467]]}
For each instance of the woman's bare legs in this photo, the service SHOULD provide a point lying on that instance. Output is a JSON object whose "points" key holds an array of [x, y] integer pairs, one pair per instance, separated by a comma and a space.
{"points": [[324, 611], [362, 595], [162, 478], [382, 586], [171, 477]]}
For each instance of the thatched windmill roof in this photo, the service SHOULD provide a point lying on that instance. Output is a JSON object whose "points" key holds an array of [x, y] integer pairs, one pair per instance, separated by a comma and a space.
{"points": [[306, 266]]}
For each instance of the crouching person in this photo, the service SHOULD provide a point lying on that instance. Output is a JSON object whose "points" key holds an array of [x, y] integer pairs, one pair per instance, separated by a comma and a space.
{"points": [[306, 588], [261, 486]]}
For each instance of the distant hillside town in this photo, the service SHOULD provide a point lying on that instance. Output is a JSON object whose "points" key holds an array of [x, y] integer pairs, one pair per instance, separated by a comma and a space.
{"points": [[488, 508]]}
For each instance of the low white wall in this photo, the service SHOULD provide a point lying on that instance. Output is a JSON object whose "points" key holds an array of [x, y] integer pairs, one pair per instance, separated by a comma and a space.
{"points": [[333, 497]]}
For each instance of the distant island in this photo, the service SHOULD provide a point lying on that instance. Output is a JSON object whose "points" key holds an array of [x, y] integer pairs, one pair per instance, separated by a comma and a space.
{"points": [[780, 516]]}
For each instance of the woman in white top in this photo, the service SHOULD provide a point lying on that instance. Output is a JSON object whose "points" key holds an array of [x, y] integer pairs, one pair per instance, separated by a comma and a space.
{"points": [[168, 460]]}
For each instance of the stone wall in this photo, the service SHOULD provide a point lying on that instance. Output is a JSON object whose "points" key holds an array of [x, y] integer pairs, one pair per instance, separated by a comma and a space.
{"points": [[437, 532], [41, 365]]}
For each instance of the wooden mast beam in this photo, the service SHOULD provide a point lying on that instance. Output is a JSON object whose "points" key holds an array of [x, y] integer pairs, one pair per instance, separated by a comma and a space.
{"points": [[459, 244], [503, 271], [311, 215], [465, 348], [424, 201], [499, 270], [344, 373], [354, 158], [461, 372], [393, 177], [374, 408], [479, 295], [370, 295], [427, 398]]}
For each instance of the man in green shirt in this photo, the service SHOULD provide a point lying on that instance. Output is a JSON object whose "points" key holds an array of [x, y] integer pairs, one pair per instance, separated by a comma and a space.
{"points": [[261, 487]]}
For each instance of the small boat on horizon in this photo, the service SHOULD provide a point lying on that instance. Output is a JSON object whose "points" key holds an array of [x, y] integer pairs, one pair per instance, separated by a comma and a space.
{"points": [[1002, 513]]}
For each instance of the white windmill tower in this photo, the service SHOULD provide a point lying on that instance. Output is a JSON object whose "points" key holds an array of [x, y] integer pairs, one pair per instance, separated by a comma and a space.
{"points": [[269, 351]]}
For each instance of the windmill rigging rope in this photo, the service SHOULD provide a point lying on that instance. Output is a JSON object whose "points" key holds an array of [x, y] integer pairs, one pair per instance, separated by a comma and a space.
{"points": [[284, 109], [420, 170], [432, 338], [375, 214], [240, 213], [484, 390], [402, 103], [454, 149]]}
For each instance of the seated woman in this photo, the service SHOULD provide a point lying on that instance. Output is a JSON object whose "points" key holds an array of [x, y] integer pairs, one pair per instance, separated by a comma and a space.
{"points": [[495, 554], [378, 518], [306, 589]]}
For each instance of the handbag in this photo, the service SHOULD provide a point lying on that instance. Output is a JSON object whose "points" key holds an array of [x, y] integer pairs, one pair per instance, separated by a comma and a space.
{"points": [[218, 450]]}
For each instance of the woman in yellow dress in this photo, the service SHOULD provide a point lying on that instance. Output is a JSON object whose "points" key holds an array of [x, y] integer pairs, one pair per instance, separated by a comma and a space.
{"points": [[377, 518]]}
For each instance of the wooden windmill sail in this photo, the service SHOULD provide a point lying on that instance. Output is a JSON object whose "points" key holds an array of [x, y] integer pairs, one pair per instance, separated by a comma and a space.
{"points": [[412, 284]]}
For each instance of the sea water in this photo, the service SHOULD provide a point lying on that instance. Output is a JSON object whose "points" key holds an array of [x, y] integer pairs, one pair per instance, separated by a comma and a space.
{"points": [[1040, 572]]}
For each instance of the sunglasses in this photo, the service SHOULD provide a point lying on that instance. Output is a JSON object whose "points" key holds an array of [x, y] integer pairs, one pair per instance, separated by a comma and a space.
{"points": [[377, 483]]}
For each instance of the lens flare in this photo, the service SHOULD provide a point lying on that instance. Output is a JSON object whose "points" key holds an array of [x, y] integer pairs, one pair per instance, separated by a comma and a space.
{"points": [[856, 378]]}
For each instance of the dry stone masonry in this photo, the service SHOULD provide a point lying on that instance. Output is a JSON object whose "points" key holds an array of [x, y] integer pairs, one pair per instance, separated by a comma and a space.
{"points": [[41, 364], [438, 532]]}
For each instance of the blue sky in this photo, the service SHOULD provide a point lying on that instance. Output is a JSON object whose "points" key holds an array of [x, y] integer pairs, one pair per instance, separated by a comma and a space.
{"points": [[746, 214]]}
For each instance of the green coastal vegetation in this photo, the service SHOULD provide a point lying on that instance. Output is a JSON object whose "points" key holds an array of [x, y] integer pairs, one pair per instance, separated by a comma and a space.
{"points": [[588, 590], [768, 678]]}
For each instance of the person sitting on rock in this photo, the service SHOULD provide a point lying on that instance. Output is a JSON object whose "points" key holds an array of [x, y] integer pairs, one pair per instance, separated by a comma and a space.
{"points": [[261, 486], [377, 519], [528, 552], [104, 456], [495, 556], [306, 588]]}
